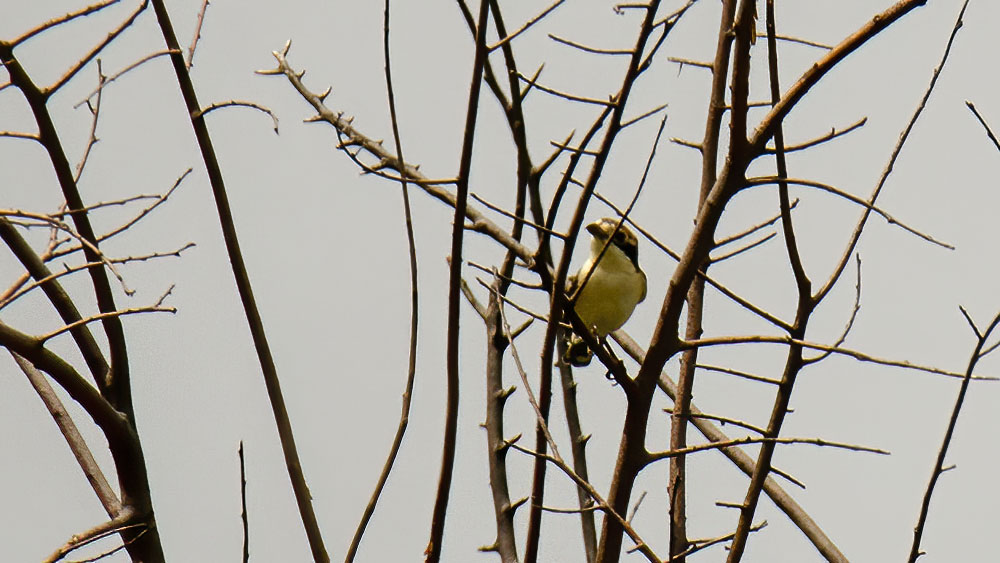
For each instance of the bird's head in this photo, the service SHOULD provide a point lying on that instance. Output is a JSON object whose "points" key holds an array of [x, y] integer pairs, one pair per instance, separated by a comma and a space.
{"points": [[624, 239]]}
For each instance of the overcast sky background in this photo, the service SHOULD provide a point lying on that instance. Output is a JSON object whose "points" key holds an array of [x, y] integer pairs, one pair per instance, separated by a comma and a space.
{"points": [[326, 252]]}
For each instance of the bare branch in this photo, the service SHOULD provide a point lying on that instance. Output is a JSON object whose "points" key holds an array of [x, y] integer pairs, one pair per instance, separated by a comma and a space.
{"points": [[860, 356], [753, 229], [610, 102], [243, 103], [528, 24], [112, 504], [123, 521], [989, 132], [22, 135], [588, 49], [480, 223], [690, 62], [61, 20], [833, 134], [190, 63], [95, 111], [49, 90], [798, 40], [850, 321], [242, 279], [740, 250], [869, 207], [15, 292], [243, 501], [939, 466], [109, 79], [656, 456], [102, 316]]}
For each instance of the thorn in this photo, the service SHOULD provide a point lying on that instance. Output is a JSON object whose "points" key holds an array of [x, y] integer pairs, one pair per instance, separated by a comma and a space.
{"points": [[489, 548], [503, 394], [585, 439], [288, 45], [322, 97], [300, 74], [313, 118], [517, 504], [502, 450], [268, 72]]}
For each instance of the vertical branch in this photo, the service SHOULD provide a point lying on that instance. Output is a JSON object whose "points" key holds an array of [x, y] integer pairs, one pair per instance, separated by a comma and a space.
{"points": [[498, 446], [243, 506], [404, 415], [801, 280], [793, 363], [939, 468], [242, 278], [558, 297], [433, 552], [677, 477], [578, 442]]}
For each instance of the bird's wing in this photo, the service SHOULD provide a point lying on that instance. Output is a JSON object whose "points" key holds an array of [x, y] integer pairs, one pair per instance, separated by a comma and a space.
{"points": [[571, 284]]}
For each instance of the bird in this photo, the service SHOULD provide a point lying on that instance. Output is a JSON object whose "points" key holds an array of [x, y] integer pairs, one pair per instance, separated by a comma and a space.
{"points": [[606, 294]]}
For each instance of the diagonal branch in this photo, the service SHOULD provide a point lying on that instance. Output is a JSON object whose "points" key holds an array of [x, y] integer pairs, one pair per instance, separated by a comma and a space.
{"points": [[242, 279], [939, 467], [434, 547]]}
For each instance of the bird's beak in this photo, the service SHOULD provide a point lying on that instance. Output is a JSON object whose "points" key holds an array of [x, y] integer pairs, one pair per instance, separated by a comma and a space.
{"points": [[596, 230]]}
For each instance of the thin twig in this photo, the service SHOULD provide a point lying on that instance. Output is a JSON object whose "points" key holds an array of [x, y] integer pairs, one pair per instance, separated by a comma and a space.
{"points": [[939, 466], [587, 48], [196, 37], [885, 19], [69, 74], [526, 25], [565, 95], [869, 207], [860, 356], [109, 79], [751, 230], [656, 456], [123, 521], [95, 111], [96, 7], [989, 132], [243, 502], [833, 134], [108, 315], [243, 103], [411, 371]]}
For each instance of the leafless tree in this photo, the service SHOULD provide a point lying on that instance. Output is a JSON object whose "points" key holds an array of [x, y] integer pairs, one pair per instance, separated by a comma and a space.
{"points": [[743, 150]]}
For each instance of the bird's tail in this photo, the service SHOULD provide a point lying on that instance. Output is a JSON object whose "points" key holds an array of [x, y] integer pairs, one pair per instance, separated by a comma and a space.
{"points": [[577, 354]]}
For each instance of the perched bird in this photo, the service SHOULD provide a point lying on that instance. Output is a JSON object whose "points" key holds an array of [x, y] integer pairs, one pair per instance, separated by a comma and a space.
{"points": [[606, 294]]}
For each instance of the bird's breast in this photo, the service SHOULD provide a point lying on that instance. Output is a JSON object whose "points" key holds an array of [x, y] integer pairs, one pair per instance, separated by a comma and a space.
{"points": [[609, 297]]}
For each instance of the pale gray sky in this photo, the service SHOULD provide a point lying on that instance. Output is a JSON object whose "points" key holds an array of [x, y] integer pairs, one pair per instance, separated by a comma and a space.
{"points": [[327, 258]]}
